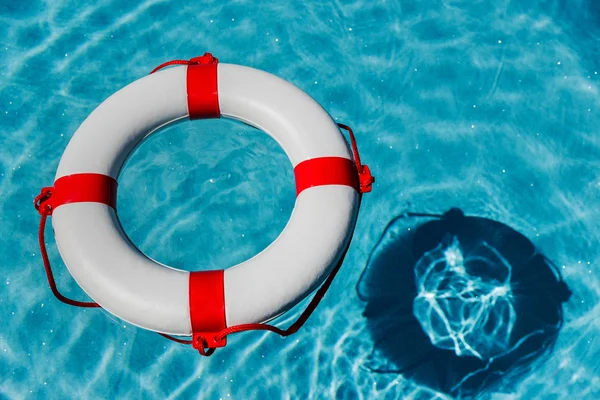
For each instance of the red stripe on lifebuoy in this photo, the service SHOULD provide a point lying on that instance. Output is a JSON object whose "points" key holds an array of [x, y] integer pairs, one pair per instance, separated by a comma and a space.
{"points": [[202, 91], [80, 188], [207, 307], [325, 171]]}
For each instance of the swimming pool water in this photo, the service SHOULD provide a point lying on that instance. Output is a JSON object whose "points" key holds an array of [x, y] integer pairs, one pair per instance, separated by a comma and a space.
{"points": [[488, 106]]}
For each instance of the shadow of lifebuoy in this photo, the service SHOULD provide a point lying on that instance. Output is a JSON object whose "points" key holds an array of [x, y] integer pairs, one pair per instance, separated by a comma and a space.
{"points": [[459, 304]]}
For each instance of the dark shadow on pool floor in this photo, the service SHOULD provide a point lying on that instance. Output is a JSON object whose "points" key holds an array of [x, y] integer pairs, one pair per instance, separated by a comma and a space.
{"points": [[388, 287]]}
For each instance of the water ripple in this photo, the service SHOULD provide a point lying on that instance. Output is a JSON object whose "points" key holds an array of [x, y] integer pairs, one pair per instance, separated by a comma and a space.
{"points": [[490, 106]]}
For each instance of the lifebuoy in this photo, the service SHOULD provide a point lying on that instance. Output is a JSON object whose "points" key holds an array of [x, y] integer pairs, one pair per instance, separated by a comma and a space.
{"points": [[137, 289]]}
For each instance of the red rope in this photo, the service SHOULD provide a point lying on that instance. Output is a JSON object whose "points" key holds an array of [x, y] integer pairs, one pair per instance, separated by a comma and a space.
{"points": [[46, 210], [172, 62], [300, 321], [182, 341], [354, 146]]}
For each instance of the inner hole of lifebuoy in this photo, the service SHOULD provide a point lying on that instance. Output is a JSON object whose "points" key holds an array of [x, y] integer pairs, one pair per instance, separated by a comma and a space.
{"points": [[202, 195]]}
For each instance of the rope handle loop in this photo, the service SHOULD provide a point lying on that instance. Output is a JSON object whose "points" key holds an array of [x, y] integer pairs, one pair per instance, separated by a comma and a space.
{"points": [[45, 210]]}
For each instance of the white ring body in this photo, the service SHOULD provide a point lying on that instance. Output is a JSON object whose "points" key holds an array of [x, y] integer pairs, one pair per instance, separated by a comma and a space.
{"points": [[137, 289]]}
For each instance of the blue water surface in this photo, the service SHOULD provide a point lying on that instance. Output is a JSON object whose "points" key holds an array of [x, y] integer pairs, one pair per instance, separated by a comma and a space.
{"points": [[488, 106]]}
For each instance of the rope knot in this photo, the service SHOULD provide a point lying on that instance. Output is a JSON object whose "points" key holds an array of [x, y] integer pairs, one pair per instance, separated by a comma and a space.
{"points": [[41, 201], [365, 179], [206, 58], [201, 344]]}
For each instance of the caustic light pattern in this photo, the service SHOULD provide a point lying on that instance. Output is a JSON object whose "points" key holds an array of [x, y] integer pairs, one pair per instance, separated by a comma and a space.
{"points": [[464, 301]]}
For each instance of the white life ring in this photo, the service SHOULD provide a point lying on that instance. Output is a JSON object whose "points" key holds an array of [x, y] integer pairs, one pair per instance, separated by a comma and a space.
{"points": [[143, 292]]}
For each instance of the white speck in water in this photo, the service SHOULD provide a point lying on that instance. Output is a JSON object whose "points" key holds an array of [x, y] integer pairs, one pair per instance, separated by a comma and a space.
{"points": [[499, 41], [350, 29], [211, 180], [316, 82], [472, 126], [558, 63]]}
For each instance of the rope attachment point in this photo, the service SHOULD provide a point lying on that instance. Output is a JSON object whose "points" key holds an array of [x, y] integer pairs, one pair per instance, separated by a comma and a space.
{"points": [[42, 201], [365, 178]]}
